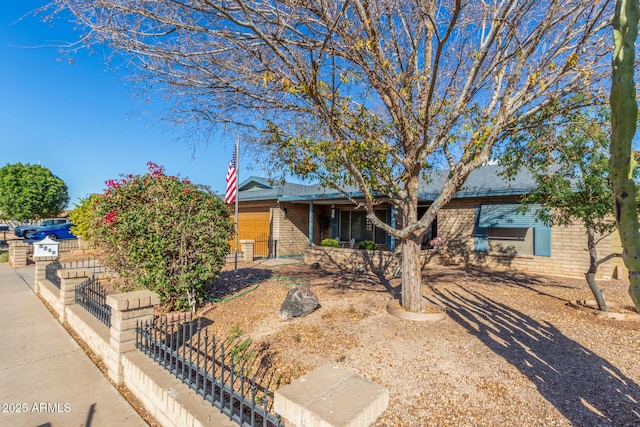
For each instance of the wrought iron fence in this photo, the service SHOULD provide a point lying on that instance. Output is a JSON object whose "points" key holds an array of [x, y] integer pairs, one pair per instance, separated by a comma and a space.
{"points": [[51, 272], [92, 296], [264, 246], [221, 374]]}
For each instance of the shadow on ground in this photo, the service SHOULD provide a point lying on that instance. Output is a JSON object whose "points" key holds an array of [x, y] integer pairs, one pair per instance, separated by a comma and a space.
{"points": [[231, 282], [342, 280], [516, 279], [549, 360]]}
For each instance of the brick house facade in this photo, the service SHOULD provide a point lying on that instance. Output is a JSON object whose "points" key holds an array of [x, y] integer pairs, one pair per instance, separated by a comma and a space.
{"points": [[480, 226]]}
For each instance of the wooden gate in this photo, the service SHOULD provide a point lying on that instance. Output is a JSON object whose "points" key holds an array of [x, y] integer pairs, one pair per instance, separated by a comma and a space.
{"points": [[254, 223]]}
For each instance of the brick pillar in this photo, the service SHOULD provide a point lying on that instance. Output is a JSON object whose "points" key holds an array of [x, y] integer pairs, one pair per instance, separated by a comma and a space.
{"points": [[41, 264], [247, 249], [18, 252], [69, 280], [126, 310]]}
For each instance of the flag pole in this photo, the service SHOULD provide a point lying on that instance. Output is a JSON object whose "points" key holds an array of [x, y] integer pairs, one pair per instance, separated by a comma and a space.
{"points": [[235, 265]]}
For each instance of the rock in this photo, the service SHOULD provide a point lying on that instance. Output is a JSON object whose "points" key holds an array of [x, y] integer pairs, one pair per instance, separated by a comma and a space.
{"points": [[299, 302]]}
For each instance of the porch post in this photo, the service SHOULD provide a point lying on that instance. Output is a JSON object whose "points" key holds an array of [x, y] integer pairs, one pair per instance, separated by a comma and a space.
{"points": [[310, 223], [392, 244]]}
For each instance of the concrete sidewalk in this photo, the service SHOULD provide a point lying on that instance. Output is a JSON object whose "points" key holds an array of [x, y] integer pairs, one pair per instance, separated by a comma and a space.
{"points": [[46, 379]]}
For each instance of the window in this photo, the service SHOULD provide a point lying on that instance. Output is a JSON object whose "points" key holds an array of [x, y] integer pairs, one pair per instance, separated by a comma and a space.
{"points": [[380, 236], [355, 225], [432, 232], [501, 228], [511, 241]]}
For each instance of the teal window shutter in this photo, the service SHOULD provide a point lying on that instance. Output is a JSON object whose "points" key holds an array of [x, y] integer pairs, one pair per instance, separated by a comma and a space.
{"points": [[506, 215], [542, 241], [481, 234]]}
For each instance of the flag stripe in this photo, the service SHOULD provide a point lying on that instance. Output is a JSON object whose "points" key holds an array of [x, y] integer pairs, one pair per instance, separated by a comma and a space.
{"points": [[232, 185]]}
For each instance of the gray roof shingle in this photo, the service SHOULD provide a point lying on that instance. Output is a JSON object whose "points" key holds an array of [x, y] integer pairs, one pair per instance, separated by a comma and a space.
{"points": [[484, 181]]}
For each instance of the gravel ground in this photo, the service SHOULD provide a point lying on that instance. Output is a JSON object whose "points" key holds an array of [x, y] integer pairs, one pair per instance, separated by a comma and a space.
{"points": [[510, 351]]}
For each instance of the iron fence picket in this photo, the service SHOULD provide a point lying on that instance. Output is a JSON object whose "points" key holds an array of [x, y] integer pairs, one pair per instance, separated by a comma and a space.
{"points": [[185, 349], [92, 296], [51, 272]]}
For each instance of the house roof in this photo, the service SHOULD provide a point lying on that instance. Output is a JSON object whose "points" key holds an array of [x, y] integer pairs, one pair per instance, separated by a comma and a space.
{"points": [[484, 181], [256, 188]]}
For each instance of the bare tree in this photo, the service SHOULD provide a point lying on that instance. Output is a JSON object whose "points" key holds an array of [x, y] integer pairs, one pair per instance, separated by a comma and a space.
{"points": [[370, 93]]}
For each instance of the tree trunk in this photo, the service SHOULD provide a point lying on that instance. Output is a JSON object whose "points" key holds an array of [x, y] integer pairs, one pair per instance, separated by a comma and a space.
{"points": [[624, 110], [593, 269], [411, 298], [411, 274], [597, 292]]}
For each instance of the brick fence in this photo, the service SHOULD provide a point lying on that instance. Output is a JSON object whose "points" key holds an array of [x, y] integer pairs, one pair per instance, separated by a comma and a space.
{"points": [[21, 251], [167, 398], [169, 401]]}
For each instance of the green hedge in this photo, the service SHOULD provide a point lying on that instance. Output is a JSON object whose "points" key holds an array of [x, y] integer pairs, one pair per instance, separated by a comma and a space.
{"points": [[333, 243], [368, 245]]}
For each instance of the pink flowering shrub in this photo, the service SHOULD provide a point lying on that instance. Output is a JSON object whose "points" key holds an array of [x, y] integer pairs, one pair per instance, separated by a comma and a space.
{"points": [[437, 241], [162, 233]]}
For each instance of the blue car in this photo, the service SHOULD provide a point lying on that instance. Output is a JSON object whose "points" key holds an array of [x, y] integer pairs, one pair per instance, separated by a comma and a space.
{"points": [[55, 232], [23, 230]]}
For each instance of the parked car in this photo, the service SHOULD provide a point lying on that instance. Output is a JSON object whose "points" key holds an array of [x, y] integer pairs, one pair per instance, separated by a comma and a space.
{"points": [[22, 230], [3, 229], [56, 232]]}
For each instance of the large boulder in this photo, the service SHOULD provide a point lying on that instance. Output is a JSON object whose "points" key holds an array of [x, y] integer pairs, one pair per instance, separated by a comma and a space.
{"points": [[299, 302]]}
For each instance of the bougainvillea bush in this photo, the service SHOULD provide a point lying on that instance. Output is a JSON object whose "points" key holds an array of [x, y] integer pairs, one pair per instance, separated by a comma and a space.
{"points": [[162, 233]]}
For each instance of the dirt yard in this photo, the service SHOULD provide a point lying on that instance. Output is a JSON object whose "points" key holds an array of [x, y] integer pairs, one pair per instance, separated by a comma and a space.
{"points": [[509, 352]]}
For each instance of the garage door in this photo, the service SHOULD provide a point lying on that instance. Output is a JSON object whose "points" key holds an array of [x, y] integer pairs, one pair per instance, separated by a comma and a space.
{"points": [[254, 224]]}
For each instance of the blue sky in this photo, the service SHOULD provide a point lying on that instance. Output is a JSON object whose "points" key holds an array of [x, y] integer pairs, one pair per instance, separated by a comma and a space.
{"points": [[81, 119]]}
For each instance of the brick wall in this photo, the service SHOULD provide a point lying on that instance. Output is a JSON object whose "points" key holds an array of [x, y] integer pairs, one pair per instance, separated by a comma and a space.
{"points": [[93, 332], [19, 253], [568, 246], [167, 399], [619, 271], [51, 295], [456, 225], [170, 402], [350, 260], [291, 229]]}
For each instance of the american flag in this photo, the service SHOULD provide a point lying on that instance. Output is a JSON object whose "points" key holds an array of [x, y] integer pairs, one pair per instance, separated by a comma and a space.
{"points": [[232, 180]]}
